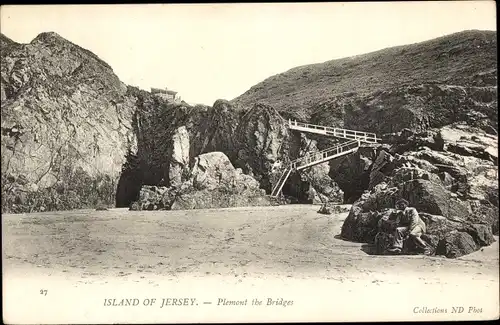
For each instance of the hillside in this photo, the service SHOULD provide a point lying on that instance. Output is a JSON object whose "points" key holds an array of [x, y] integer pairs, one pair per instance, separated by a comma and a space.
{"points": [[66, 125], [322, 92]]}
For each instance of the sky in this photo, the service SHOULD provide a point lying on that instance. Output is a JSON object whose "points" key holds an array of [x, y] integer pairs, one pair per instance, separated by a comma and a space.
{"points": [[212, 51]]}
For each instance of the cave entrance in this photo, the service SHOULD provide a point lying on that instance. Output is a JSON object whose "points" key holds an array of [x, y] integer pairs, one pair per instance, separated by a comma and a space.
{"points": [[352, 173], [297, 189]]}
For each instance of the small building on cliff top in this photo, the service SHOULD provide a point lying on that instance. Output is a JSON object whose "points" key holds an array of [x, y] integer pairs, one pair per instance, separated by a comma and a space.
{"points": [[166, 94]]}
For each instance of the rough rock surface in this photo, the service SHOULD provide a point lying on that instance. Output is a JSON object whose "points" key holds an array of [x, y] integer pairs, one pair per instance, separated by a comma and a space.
{"points": [[371, 220], [179, 157], [257, 141], [213, 182], [432, 195], [314, 182], [450, 103], [263, 138], [217, 132], [65, 115], [455, 191]]}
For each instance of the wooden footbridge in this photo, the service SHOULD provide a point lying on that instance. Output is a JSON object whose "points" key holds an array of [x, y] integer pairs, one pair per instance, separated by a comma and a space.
{"points": [[354, 140]]}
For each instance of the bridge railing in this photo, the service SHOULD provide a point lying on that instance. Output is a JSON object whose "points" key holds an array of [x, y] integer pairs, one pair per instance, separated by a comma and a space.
{"points": [[337, 132], [321, 155]]}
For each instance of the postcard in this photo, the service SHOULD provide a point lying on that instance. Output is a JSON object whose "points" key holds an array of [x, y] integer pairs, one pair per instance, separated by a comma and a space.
{"points": [[263, 162]]}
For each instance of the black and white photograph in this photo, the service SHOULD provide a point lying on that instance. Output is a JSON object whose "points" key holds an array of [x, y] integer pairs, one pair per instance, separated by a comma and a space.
{"points": [[249, 162]]}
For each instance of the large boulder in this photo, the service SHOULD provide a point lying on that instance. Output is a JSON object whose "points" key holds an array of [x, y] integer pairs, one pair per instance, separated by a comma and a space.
{"points": [[361, 224], [153, 198], [327, 189], [433, 198], [452, 229], [213, 182], [382, 167], [214, 170], [456, 244]]}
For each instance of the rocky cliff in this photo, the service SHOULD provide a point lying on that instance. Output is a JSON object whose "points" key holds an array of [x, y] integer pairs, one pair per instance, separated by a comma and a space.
{"points": [[450, 175], [171, 137], [66, 126]]}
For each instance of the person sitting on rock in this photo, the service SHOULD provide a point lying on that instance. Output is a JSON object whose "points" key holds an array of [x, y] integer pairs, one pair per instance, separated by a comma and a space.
{"points": [[408, 224]]}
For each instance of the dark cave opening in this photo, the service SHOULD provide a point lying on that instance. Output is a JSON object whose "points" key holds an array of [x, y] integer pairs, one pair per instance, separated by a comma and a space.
{"points": [[352, 173], [296, 189], [353, 191]]}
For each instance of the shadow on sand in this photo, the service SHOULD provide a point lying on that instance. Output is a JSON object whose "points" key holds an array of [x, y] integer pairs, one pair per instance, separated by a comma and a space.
{"points": [[369, 249], [339, 237]]}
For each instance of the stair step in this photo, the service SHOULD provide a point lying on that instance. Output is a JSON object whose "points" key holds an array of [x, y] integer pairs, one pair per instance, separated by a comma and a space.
{"points": [[312, 159], [281, 182], [367, 137]]}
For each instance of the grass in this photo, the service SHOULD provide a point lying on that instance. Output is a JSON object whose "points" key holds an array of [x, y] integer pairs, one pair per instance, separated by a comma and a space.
{"points": [[453, 59]]}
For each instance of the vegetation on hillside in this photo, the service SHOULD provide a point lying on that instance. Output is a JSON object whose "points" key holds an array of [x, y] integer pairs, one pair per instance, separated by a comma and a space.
{"points": [[465, 59]]}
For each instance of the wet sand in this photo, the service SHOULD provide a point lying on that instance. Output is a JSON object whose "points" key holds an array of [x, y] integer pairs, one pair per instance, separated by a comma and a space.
{"points": [[283, 252]]}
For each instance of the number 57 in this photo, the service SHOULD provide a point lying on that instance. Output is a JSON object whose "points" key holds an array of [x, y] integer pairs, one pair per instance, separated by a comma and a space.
{"points": [[43, 292]]}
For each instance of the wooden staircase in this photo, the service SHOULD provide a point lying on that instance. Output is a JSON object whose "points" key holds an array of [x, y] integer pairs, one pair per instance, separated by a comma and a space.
{"points": [[311, 159], [279, 185]]}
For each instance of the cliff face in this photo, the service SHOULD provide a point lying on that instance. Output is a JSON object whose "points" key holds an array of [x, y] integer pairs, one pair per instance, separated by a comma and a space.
{"points": [[418, 107], [170, 137], [66, 126]]}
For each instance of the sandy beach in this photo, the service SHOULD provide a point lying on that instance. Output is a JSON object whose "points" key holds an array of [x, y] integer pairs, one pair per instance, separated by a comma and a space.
{"points": [[282, 253]]}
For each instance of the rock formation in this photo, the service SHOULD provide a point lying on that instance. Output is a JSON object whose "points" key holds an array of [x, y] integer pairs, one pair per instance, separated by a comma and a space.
{"points": [[179, 156], [70, 128], [263, 139], [217, 132], [212, 182], [457, 195], [170, 137], [66, 126]]}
